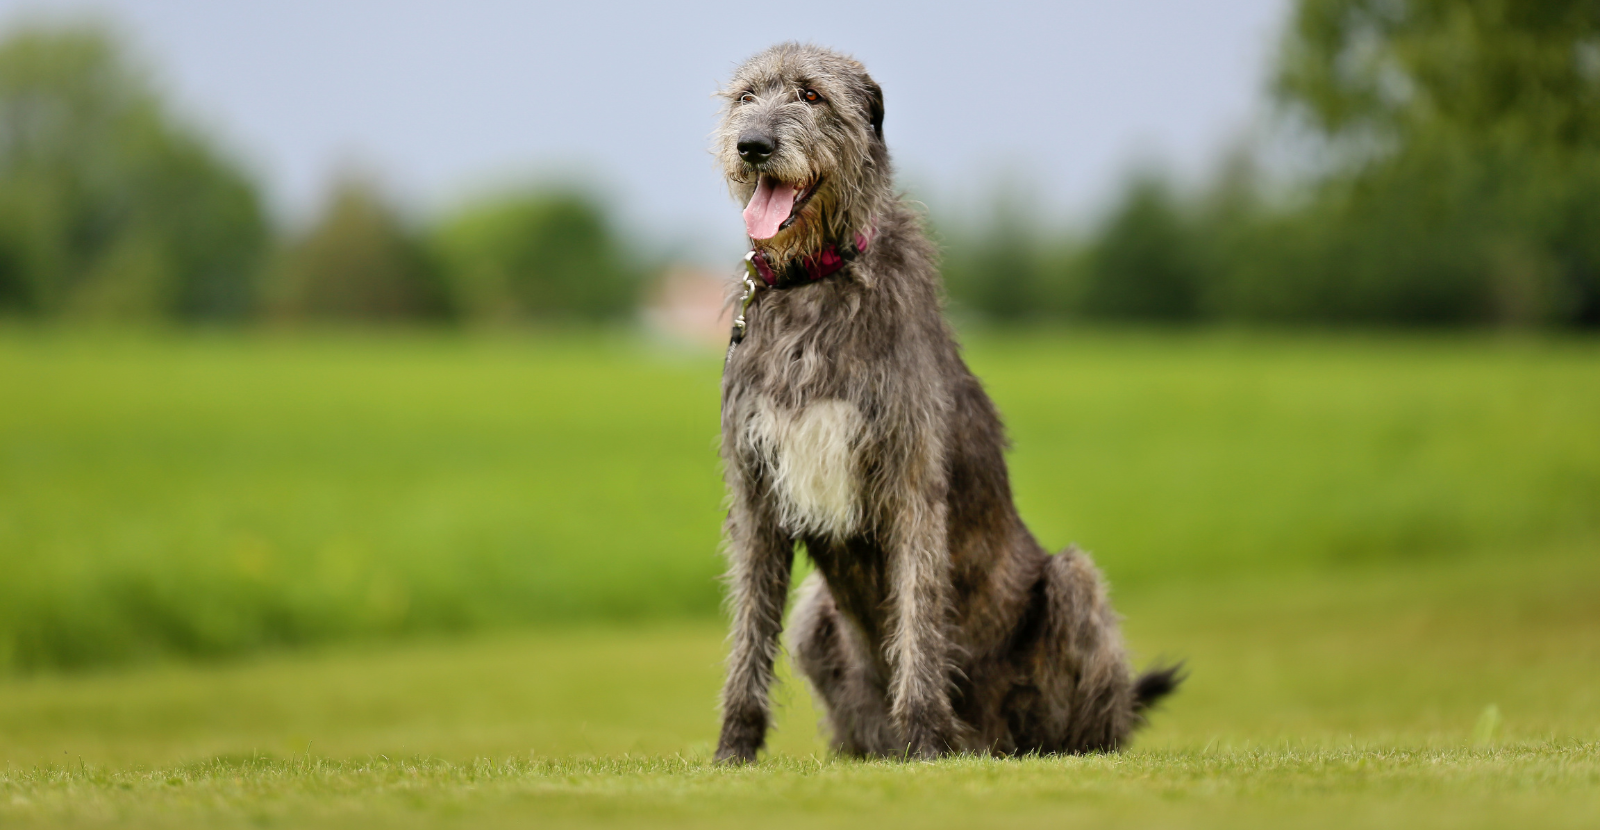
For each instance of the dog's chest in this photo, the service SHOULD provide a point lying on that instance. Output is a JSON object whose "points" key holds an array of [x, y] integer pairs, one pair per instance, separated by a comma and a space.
{"points": [[810, 454]]}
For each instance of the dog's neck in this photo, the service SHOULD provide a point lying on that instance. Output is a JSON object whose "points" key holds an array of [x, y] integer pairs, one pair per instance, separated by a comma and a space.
{"points": [[809, 267]]}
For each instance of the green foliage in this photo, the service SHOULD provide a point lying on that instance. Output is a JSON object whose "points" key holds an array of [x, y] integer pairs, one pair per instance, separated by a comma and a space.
{"points": [[1470, 137], [111, 208], [1457, 182], [1142, 264], [358, 262], [1433, 237], [219, 496], [537, 255], [108, 206], [1000, 265], [1491, 71], [1456, 147]]}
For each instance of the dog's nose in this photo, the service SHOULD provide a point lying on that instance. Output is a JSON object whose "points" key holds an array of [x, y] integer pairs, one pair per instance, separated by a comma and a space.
{"points": [[755, 147]]}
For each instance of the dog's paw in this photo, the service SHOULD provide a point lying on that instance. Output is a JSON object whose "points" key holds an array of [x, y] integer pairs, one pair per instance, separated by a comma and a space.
{"points": [[735, 756], [742, 737], [926, 743]]}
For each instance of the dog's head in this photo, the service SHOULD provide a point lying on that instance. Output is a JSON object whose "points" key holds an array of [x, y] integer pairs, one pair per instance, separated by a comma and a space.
{"points": [[801, 144]]}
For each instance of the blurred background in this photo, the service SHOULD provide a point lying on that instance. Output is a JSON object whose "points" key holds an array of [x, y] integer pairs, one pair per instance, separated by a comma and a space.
{"points": [[331, 335]]}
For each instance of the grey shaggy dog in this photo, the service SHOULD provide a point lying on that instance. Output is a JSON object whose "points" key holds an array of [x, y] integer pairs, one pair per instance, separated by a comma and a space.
{"points": [[935, 622]]}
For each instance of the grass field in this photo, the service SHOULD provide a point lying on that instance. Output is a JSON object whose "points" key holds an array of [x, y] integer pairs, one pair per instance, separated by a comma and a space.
{"points": [[240, 575], [1434, 694], [210, 497]]}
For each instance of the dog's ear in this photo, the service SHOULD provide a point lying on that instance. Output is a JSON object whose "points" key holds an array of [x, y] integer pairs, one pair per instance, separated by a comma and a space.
{"points": [[874, 96]]}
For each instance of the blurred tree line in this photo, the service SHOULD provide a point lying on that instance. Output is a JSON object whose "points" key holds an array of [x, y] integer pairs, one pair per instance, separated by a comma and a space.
{"points": [[1454, 154], [107, 207], [1451, 176], [112, 207]]}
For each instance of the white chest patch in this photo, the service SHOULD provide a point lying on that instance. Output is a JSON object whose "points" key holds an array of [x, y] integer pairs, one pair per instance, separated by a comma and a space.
{"points": [[812, 455]]}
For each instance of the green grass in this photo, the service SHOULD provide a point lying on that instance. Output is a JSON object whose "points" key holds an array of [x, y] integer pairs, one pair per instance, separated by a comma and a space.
{"points": [[211, 496], [1359, 699], [1524, 786], [1378, 554]]}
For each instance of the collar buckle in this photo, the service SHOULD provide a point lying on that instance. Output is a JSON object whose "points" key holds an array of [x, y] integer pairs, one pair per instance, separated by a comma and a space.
{"points": [[753, 272]]}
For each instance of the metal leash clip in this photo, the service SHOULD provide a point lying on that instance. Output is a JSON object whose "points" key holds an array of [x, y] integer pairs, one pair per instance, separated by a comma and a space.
{"points": [[752, 283]]}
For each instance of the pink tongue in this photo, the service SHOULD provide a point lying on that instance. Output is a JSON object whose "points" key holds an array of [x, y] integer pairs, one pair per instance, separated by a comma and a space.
{"points": [[768, 208]]}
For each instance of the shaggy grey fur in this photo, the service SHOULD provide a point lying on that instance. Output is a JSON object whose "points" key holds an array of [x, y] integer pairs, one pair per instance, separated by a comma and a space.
{"points": [[934, 621]]}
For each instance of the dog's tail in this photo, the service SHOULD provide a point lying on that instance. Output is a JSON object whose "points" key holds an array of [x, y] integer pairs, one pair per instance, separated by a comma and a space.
{"points": [[1155, 684]]}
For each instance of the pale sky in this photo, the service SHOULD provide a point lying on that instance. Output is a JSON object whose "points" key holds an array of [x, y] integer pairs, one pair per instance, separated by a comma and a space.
{"points": [[444, 100]]}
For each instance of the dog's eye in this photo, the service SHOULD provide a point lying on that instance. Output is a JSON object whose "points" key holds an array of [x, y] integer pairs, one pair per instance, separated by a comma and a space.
{"points": [[810, 96], [747, 98]]}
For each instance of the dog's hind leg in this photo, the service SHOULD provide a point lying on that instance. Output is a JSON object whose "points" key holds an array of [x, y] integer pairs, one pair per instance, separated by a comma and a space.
{"points": [[841, 675], [1085, 689]]}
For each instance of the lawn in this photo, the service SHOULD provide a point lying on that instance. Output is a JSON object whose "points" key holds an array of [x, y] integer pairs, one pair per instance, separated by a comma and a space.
{"points": [[1434, 694], [469, 581], [213, 496]]}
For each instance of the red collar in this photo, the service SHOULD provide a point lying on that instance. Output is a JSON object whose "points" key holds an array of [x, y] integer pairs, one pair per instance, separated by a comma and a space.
{"points": [[810, 267]]}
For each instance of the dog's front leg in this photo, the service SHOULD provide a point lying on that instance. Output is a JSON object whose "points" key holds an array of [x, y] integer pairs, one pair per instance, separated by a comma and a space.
{"points": [[760, 557], [919, 652]]}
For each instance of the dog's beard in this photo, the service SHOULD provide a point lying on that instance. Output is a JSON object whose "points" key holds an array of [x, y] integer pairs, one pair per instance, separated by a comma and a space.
{"points": [[790, 204]]}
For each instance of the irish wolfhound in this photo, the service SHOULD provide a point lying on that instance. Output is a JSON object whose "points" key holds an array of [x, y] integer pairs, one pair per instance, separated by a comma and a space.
{"points": [[934, 621]]}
